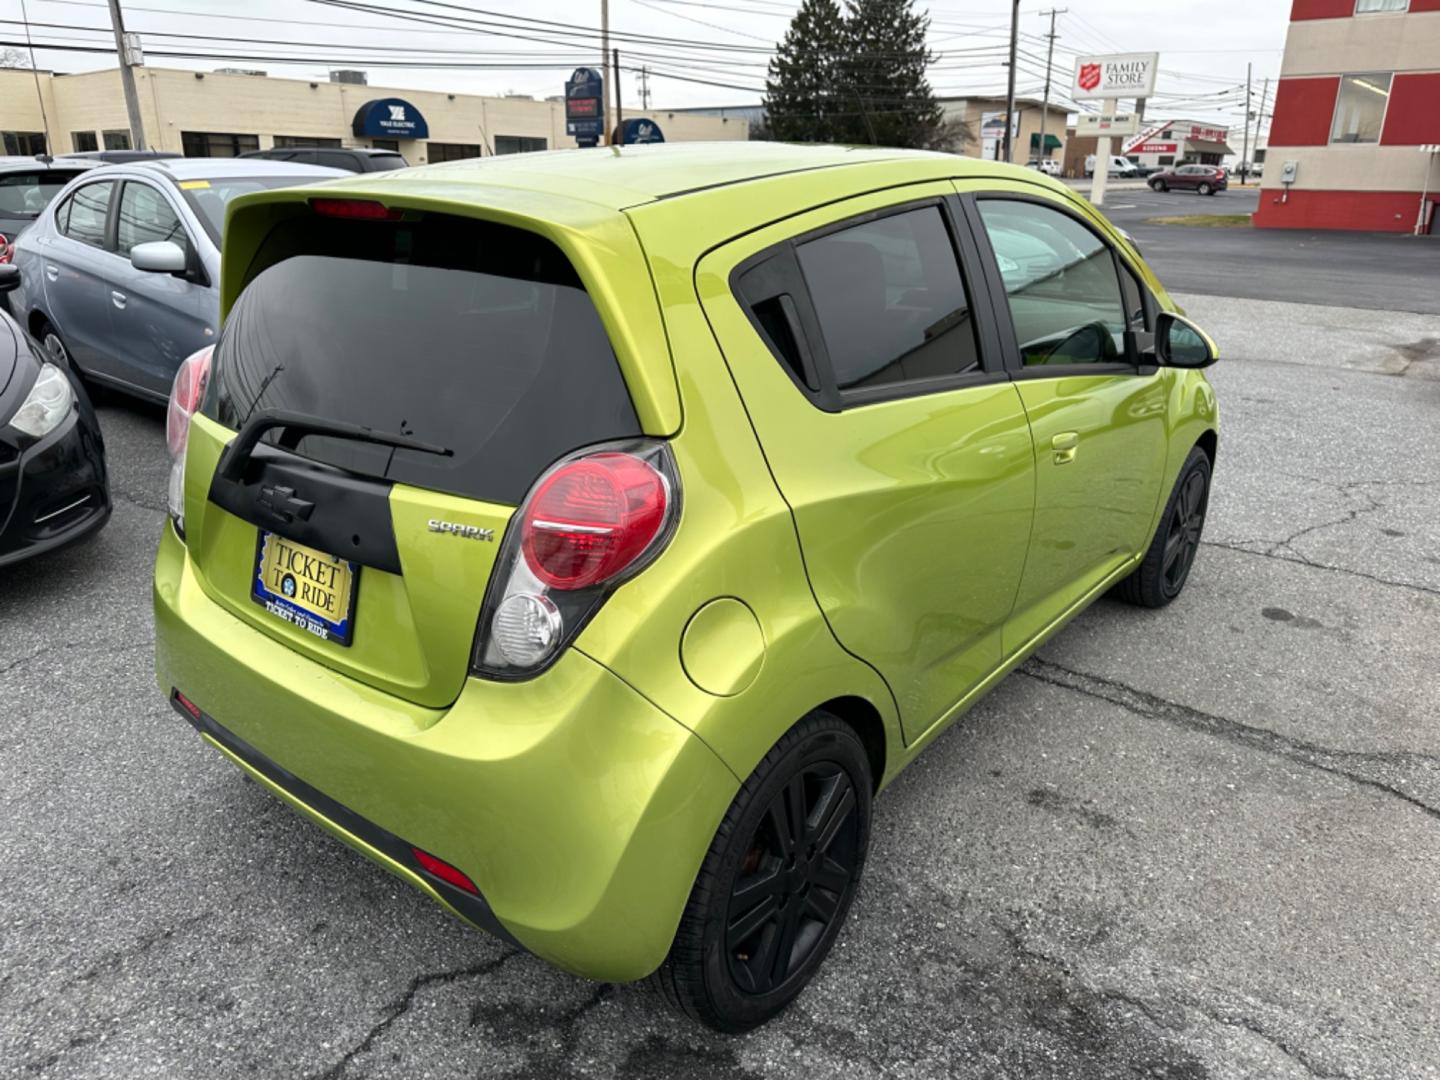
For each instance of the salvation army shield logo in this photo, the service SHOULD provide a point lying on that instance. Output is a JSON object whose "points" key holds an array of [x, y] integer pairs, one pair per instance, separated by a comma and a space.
{"points": [[1089, 76]]}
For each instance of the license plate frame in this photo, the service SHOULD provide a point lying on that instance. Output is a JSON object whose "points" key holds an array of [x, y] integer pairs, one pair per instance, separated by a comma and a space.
{"points": [[293, 608]]}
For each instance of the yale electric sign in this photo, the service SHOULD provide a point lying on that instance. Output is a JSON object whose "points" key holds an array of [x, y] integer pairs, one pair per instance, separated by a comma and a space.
{"points": [[1118, 75]]}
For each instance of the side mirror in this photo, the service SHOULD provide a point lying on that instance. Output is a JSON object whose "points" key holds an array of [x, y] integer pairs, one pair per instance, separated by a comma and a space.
{"points": [[158, 257], [1179, 343], [9, 277]]}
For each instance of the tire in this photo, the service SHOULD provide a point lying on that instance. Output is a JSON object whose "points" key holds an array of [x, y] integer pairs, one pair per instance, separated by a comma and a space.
{"points": [[1159, 185], [59, 354], [733, 974], [1162, 574], [1205, 189]]}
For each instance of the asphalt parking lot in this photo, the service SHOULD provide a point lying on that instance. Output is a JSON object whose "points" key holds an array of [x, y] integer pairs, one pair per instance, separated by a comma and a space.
{"points": [[1203, 842]]}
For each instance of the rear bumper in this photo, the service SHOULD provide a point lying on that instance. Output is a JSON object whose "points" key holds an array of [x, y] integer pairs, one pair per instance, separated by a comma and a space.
{"points": [[580, 811]]}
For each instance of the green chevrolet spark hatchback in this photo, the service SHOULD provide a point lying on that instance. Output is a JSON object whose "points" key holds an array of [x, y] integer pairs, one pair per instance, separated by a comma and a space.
{"points": [[587, 537]]}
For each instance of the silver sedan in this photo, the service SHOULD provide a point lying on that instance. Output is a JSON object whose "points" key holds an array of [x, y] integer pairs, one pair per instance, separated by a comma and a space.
{"points": [[120, 272]]}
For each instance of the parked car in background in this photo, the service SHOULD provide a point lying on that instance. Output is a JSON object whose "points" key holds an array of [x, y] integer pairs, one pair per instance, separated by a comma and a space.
{"points": [[1201, 179], [119, 276], [53, 486], [359, 159], [1120, 167], [1142, 171], [1049, 166], [121, 157], [588, 538], [27, 184]]}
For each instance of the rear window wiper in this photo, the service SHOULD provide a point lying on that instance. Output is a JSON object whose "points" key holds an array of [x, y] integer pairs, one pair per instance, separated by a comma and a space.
{"points": [[295, 426]]}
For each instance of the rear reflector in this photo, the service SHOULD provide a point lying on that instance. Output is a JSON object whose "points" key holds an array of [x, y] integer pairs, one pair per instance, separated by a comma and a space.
{"points": [[444, 871], [188, 705], [360, 209]]}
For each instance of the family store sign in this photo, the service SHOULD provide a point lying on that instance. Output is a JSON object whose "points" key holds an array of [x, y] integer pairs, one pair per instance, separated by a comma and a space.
{"points": [[1119, 75]]}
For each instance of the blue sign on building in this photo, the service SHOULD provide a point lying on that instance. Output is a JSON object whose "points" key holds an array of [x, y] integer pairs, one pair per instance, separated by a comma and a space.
{"points": [[640, 130], [390, 118], [585, 106]]}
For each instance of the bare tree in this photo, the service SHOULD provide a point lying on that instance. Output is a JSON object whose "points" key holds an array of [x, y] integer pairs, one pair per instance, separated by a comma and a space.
{"points": [[13, 58]]}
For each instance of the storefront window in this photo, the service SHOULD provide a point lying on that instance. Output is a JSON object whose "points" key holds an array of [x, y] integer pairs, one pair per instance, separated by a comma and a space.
{"points": [[217, 143], [385, 144], [451, 151], [83, 141], [518, 144], [22, 143], [1360, 108], [283, 141], [1364, 6], [117, 140]]}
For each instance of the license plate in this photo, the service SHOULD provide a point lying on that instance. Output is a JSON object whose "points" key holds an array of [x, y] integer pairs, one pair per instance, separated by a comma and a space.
{"points": [[305, 587]]}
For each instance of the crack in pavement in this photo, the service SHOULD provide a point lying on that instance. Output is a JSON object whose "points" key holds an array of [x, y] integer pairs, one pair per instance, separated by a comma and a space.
{"points": [[401, 1005], [1359, 767], [1216, 1014], [97, 646], [1302, 560]]}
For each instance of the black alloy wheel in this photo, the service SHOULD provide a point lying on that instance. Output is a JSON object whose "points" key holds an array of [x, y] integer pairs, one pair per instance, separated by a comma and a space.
{"points": [[1162, 574], [1182, 541], [777, 882], [799, 864]]}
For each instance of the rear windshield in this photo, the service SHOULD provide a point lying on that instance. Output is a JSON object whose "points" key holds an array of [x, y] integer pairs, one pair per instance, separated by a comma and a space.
{"points": [[459, 333], [208, 198]]}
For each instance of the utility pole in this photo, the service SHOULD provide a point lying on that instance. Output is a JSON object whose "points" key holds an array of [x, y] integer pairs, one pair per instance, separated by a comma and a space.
{"points": [[1042, 154], [604, 63], [1260, 116], [1010, 93], [1245, 151], [619, 120], [127, 77], [644, 88]]}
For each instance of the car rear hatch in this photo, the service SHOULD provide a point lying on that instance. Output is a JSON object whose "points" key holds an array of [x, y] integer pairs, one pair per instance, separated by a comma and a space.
{"points": [[389, 384]]}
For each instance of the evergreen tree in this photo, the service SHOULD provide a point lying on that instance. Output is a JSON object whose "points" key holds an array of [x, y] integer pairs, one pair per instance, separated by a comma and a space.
{"points": [[803, 91], [883, 72]]}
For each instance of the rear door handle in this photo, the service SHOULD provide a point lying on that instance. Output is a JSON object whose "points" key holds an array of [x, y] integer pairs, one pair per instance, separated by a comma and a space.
{"points": [[1064, 445], [118, 298], [52, 271]]}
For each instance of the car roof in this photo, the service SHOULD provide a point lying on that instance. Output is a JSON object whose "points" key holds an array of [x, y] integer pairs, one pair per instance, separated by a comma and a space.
{"points": [[370, 151], [223, 168], [15, 163], [620, 177]]}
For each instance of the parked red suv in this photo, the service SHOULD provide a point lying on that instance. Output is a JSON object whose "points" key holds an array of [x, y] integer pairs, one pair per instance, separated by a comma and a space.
{"points": [[1204, 179]]}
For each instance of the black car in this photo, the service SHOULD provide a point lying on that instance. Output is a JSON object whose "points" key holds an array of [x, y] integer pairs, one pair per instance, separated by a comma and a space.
{"points": [[53, 485], [358, 159]]}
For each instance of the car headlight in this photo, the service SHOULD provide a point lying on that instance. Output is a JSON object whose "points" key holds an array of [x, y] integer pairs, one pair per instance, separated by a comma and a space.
{"points": [[48, 403]]}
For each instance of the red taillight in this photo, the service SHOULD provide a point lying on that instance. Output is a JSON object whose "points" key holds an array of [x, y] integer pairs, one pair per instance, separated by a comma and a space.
{"points": [[444, 871], [361, 209], [592, 518], [188, 705], [185, 397], [4, 249]]}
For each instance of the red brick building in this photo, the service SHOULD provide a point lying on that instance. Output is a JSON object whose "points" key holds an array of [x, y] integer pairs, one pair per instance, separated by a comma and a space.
{"points": [[1359, 95]]}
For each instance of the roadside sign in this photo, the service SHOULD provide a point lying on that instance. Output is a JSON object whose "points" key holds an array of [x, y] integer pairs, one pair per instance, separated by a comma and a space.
{"points": [[585, 106], [639, 130], [1115, 75], [1103, 123]]}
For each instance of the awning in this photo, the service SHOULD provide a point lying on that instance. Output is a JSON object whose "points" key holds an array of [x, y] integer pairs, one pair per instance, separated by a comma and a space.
{"points": [[1204, 146], [1051, 142]]}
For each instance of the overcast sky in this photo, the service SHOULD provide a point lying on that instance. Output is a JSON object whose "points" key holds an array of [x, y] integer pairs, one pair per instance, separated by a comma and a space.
{"points": [[700, 52]]}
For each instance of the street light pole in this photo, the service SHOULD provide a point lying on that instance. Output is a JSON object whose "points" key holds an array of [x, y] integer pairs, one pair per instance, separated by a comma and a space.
{"points": [[1245, 146], [1042, 154], [1010, 93], [604, 63], [127, 78]]}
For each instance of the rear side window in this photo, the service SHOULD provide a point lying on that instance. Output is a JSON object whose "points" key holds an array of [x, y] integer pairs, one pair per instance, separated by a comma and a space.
{"points": [[890, 300], [25, 194], [88, 208], [145, 217], [476, 337]]}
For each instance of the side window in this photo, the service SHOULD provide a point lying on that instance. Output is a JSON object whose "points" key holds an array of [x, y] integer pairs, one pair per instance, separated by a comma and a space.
{"points": [[1060, 280], [1134, 296], [88, 207], [146, 216], [890, 301], [770, 291]]}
